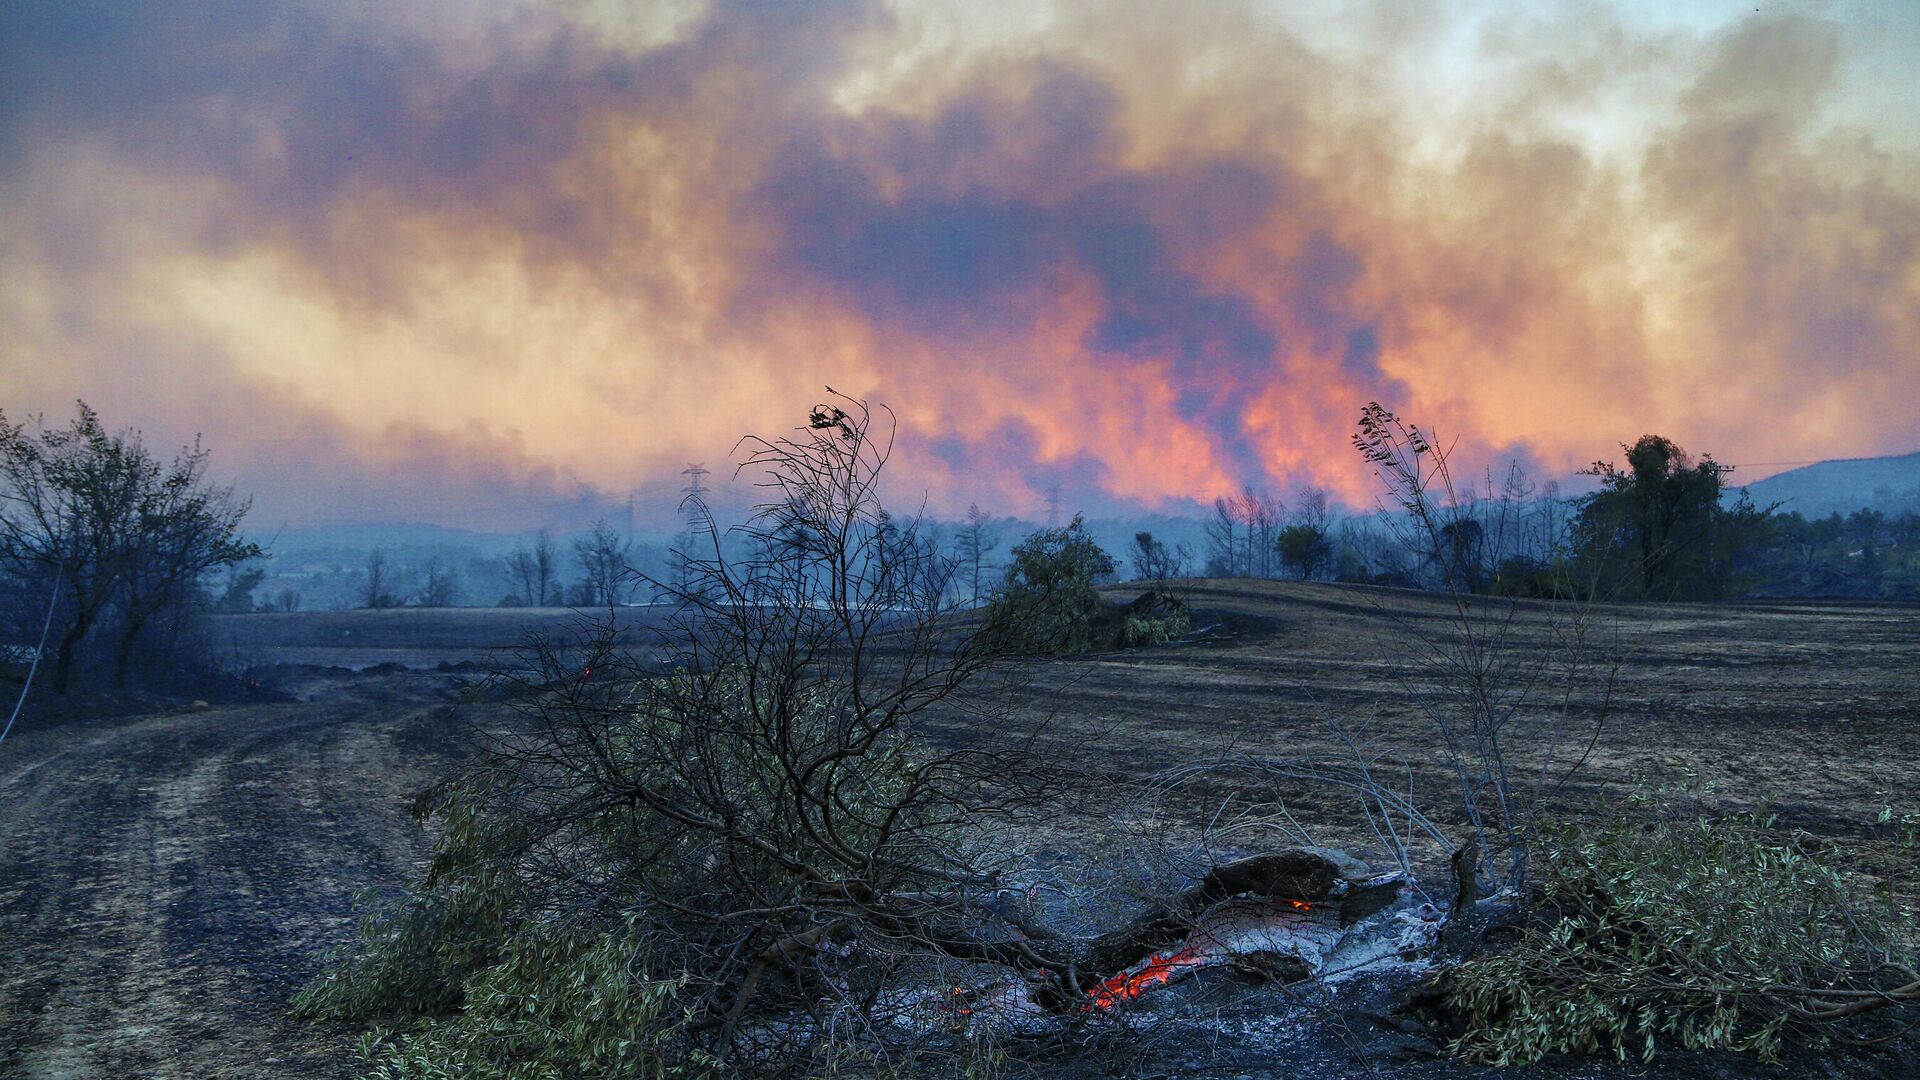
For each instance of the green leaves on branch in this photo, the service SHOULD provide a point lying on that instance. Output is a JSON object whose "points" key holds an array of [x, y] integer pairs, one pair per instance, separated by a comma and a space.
{"points": [[1711, 933]]}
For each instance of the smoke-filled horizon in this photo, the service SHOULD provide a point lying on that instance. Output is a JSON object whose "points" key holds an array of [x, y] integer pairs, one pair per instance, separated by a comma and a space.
{"points": [[489, 264]]}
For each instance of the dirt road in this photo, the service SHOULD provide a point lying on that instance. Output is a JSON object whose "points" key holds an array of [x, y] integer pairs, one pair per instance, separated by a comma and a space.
{"points": [[167, 882]]}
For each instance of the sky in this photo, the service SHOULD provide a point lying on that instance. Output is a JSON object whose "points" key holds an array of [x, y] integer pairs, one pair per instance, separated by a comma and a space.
{"points": [[496, 264]]}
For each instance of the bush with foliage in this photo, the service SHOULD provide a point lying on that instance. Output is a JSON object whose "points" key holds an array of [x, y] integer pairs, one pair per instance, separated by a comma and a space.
{"points": [[553, 1006], [1050, 593], [1155, 617], [418, 951], [1716, 933]]}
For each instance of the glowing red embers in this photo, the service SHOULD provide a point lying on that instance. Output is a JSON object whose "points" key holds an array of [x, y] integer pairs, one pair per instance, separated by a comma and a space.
{"points": [[1159, 970], [1162, 968]]}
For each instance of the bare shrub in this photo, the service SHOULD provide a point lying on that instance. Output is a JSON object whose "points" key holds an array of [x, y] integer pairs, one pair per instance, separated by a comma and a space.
{"points": [[1502, 682], [751, 804], [1154, 561]]}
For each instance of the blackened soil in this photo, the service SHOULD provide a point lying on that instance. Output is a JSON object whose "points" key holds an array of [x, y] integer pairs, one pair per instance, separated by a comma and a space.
{"points": [[167, 882]]}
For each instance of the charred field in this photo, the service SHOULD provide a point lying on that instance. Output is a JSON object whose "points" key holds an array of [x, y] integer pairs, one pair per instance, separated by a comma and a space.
{"points": [[169, 879], [1809, 706]]}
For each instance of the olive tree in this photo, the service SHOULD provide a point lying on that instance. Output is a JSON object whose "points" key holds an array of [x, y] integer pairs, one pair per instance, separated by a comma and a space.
{"points": [[1049, 597]]}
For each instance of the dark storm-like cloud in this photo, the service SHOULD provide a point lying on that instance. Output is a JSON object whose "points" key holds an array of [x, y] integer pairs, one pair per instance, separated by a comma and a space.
{"points": [[962, 223], [1166, 278], [945, 262], [286, 103]]}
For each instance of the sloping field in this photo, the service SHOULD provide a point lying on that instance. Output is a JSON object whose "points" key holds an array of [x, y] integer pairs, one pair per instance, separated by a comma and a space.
{"points": [[1814, 706]]}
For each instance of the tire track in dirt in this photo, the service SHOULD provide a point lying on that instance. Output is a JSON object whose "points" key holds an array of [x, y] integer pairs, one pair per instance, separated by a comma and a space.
{"points": [[167, 883]]}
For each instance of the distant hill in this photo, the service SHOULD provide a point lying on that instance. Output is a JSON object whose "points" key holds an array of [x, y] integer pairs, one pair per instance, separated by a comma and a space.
{"points": [[1888, 484]]}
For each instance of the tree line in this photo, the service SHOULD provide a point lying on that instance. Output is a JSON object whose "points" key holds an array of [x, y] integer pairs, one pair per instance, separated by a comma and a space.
{"points": [[127, 546]]}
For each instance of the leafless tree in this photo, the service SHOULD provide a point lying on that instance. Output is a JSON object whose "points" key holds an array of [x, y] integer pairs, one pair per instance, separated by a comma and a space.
{"points": [[974, 543], [441, 588], [1310, 508], [532, 568], [1153, 560], [377, 590], [1223, 540], [1261, 515], [72, 499], [1240, 534], [185, 528], [545, 566], [524, 574], [602, 555]]}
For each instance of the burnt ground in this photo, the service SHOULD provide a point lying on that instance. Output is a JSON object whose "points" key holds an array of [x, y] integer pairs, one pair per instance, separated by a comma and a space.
{"points": [[1814, 707], [168, 880]]}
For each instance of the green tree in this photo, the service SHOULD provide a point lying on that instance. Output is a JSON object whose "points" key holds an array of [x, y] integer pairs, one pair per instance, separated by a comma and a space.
{"points": [[1050, 588], [237, 597], [1464, 545], [1657, 529], [1304, 548]]}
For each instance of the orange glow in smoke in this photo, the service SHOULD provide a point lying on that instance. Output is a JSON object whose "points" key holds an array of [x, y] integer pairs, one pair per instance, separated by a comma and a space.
{"points": [[1148, 281]]}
